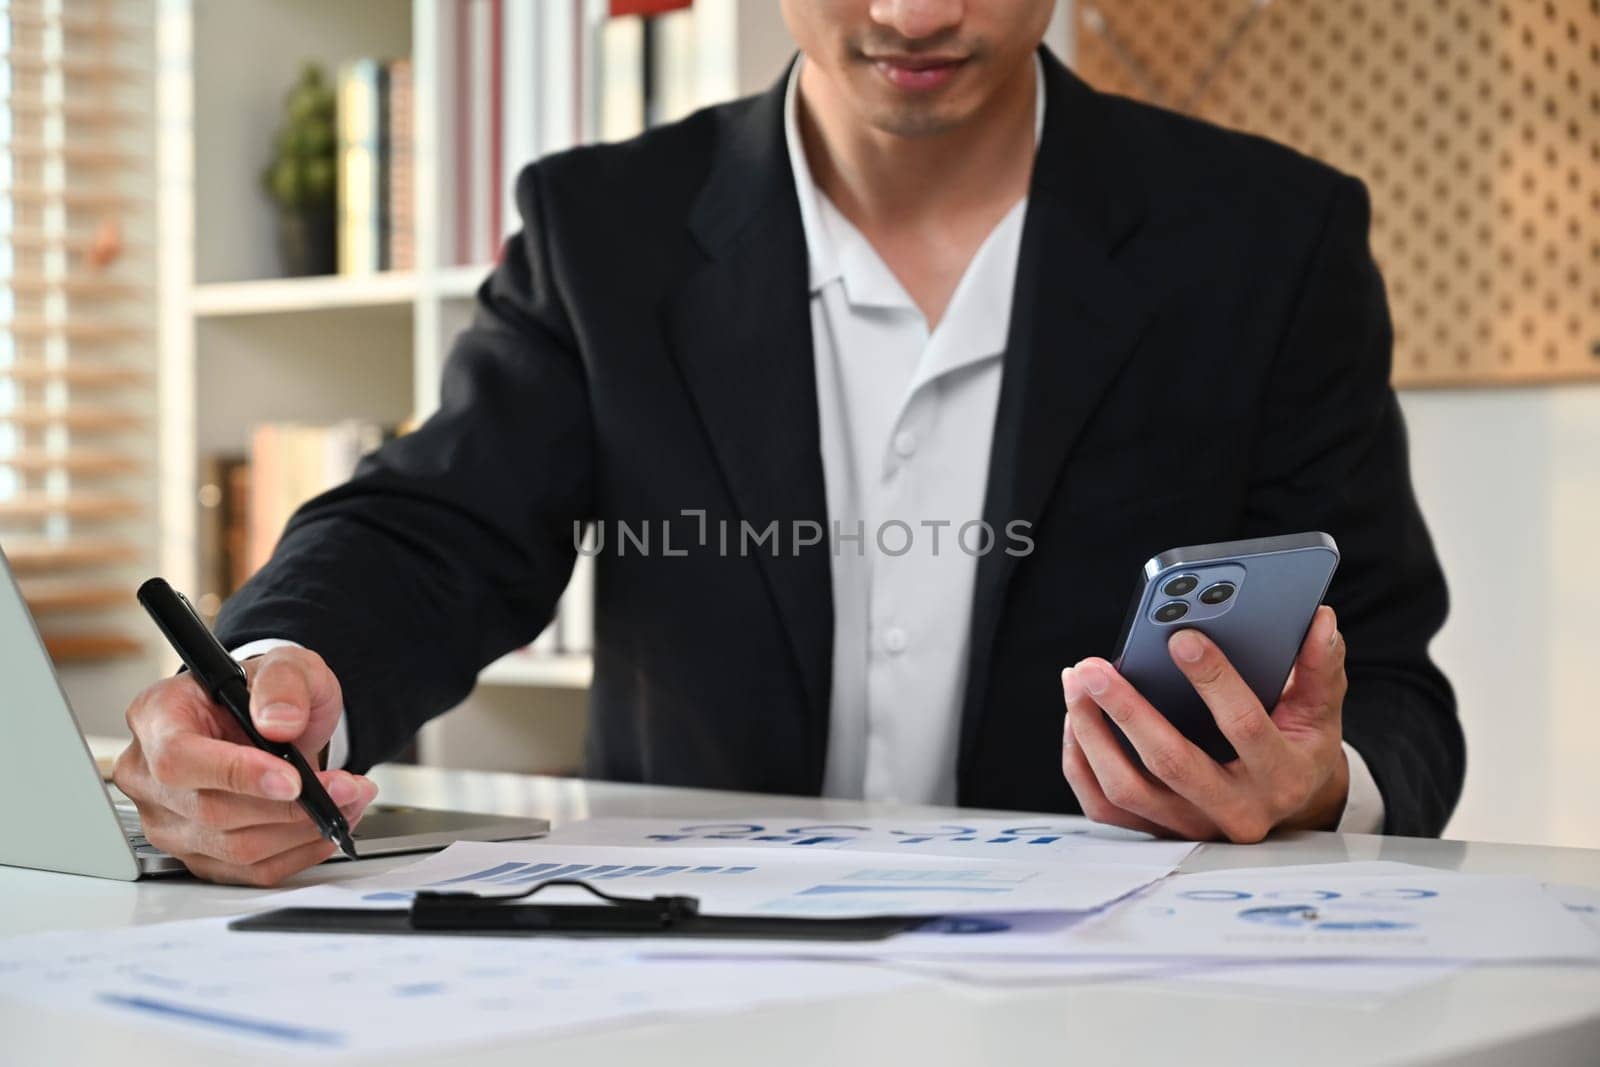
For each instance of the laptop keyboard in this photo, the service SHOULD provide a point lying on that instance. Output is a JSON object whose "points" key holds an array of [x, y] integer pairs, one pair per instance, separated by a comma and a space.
{"points": [[133, 829]]}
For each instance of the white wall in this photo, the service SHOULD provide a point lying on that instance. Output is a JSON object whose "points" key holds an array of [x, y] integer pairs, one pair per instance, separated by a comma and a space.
{"points": [[1510, 482]]}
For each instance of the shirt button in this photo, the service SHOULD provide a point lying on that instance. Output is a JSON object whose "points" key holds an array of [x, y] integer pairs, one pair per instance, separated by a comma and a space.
{"points": [[905, 443], [894, 639]]}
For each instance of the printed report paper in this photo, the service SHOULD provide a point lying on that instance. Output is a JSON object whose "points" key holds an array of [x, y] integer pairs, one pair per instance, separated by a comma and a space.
{"points": [[1378, 912], [312, 995], [1328, 912], [756, 882], [1056, 838]]}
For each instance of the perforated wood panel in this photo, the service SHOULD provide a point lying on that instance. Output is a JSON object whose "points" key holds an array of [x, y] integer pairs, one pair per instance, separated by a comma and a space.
{"points": [[1476, 126]]}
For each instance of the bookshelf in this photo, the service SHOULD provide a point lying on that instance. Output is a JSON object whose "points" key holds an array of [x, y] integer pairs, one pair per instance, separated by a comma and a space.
{"points": [[272, 296], [240, 345]]}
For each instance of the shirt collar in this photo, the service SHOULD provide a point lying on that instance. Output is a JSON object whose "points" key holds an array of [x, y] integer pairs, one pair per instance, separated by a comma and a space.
{"points": [[835, 248]]}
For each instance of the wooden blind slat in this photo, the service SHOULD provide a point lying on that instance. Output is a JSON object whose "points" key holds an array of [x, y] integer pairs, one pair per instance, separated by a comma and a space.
{"points": [[82, 374], [82, 155], [28, 107], [91, 419], [78, 285], [70, 195], [73, 330], [77, 648], [28, 61], [56, 598], [38, 557], [76, 242], [81, 25], [78, 461], [97, 507]]}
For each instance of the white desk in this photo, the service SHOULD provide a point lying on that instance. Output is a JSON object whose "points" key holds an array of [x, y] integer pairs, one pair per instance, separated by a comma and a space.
{"points": [[1499, 1015]]}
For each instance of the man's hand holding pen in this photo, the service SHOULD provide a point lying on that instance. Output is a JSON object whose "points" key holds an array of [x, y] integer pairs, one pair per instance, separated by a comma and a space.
{"points": [[224, 807]]}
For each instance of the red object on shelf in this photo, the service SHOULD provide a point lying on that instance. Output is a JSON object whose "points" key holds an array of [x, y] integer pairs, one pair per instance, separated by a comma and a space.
{"points": [[620, 8], [497, 50]]}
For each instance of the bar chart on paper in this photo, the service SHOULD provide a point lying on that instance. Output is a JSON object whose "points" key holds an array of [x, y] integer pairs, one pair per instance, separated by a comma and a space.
{"points": [[743, 881], [1059, 839], [314, 995], [512, 873]]}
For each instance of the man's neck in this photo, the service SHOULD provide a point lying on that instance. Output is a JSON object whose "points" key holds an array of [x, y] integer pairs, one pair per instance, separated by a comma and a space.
{"points": [[879, 179]]}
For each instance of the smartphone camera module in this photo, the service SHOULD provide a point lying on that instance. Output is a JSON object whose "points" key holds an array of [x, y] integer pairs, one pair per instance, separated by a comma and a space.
{"points": [[1171, 612], [1182, 585], [1216, 594]]}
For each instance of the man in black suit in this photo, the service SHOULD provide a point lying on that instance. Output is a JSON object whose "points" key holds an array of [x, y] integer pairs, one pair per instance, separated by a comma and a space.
{"points": [[1197, 350]]}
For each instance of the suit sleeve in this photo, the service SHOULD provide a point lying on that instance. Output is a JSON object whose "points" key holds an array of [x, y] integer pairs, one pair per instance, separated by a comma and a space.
{"points": [[1332, 456], [450, 545]]}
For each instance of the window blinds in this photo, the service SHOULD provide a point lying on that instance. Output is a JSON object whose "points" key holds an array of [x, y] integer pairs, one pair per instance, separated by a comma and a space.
{"points": [[76, 342]]}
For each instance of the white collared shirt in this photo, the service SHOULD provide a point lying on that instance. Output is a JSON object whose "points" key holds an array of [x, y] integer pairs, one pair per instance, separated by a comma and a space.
{"points": [[906, 418]]}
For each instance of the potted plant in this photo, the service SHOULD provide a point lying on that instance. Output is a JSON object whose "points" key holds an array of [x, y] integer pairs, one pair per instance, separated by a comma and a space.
{"points": [[303, 175]]}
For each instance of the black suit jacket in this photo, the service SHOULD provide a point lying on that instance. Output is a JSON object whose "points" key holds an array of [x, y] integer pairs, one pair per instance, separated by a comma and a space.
{"points": [[1199, 351]]}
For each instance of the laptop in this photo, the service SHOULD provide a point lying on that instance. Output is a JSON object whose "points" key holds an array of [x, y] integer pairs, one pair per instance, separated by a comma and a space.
{"points": [[60, 816]]}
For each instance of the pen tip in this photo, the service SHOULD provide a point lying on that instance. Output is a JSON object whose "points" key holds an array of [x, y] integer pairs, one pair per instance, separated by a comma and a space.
{"points": [[347, 845]]}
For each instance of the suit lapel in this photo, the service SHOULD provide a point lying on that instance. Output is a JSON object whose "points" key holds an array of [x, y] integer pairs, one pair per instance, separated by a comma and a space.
{"points": [[1076, 317], [739, 329]]}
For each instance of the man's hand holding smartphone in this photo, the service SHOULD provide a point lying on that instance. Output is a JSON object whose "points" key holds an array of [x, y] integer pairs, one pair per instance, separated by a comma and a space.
{"points": [[1291, 772]]}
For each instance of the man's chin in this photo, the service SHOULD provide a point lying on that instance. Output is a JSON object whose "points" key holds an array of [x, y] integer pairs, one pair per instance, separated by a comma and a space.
{"points": [[915, 121]]}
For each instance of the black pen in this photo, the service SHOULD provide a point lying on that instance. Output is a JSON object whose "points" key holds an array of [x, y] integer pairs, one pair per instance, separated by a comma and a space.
{"points": [[224, 679]]}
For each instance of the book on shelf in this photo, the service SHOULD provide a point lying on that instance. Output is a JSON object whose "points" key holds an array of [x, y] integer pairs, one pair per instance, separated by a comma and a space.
{"points": [[376, 166], [399, 169], [245, 501], [220, 534], [289, 464], [362, 189], [476, 86], [516, 81], [520, 80]]}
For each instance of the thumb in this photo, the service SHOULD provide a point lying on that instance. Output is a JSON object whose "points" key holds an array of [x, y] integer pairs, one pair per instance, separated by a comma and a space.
{"points": [[294, 697], [1315, 693]]}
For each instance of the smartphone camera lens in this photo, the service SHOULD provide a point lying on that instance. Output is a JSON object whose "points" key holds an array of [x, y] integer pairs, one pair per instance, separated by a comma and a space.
{"points": [[1182, 585], [1216, 594], [1171, 612]]}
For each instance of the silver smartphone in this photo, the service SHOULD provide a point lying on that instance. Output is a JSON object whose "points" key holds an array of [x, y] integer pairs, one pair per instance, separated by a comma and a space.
{"points": [[1254, 598]]}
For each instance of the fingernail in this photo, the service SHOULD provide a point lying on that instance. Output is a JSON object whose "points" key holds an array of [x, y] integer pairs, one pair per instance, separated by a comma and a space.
{"points": [[280, 785], [369, 788], [342, 790], [1187, 646], [278, 715], [1093, 678], [1071, 686]]}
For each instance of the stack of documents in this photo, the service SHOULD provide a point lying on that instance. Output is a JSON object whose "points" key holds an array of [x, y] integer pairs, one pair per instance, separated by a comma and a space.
{"points": [[1056, 901]]}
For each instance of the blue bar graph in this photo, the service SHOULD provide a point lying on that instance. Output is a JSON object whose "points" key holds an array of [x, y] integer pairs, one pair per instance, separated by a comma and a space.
{"points": [[626, 872], [542, 873], [525, 872], [522, 873], [476, 875], [223, 1021], [830, 890]]}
